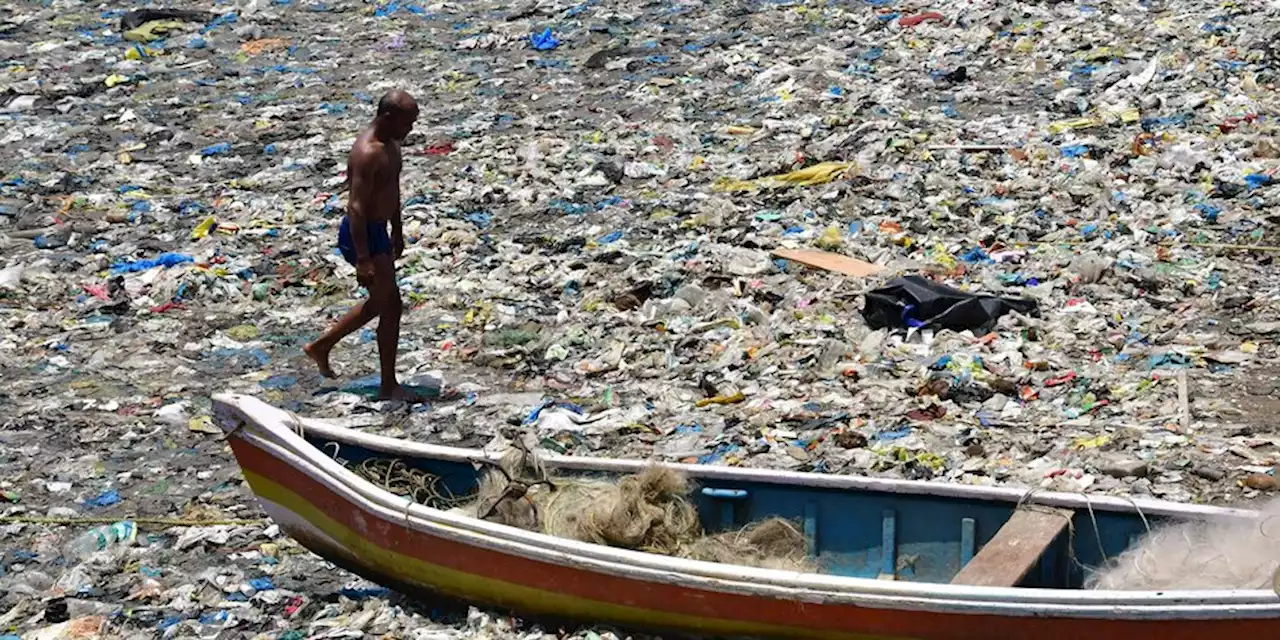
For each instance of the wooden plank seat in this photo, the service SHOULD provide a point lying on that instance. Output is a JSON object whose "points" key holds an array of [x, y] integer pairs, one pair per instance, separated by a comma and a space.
{"points": [[1015, 549]]}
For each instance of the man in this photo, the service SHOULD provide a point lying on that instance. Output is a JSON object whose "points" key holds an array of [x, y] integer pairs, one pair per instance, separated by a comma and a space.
{"points": [[373, 171]]}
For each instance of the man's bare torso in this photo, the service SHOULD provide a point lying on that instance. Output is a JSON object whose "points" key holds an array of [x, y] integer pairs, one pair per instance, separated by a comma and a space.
{"points": [[380, 200]]}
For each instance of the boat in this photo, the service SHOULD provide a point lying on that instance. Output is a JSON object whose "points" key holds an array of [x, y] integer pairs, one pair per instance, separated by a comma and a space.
{"points": [[901, 559]]}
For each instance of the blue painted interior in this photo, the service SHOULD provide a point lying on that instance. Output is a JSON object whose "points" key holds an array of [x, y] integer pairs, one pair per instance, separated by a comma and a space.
{"points": [[872, 534]]}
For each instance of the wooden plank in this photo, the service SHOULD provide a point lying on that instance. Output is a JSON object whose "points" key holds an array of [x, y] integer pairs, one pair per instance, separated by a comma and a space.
{"points": [[1015, 549], [829, 261]]}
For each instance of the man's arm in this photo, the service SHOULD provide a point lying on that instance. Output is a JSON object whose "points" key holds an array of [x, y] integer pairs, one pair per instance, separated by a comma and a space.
{"points": [[363, 171], [397, 221]]}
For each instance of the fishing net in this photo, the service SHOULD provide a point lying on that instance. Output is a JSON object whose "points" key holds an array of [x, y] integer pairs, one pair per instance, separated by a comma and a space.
{"points": [[402, 480], [649, 511], [773, 544], [1228, 554]]}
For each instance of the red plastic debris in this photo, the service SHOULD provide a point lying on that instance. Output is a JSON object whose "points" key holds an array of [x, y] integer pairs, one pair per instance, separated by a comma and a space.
{"points": [[443, 148], [911, 21], [1060, 380], [167, 306], [294, 606]]}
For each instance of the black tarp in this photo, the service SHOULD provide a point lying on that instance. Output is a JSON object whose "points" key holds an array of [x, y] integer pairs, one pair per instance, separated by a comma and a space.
{"points": [[915, 301]]}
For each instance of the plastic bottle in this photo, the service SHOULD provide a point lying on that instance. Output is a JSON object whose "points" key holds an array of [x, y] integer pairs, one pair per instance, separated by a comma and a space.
{"points": [[100, 538]]}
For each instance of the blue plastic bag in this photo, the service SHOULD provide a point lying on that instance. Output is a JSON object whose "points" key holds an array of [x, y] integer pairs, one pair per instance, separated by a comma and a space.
{"points": [[544, 41], [165, 260]]}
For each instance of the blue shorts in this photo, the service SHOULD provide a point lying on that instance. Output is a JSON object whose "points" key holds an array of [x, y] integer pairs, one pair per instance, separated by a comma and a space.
{"points": [[379, 239]]}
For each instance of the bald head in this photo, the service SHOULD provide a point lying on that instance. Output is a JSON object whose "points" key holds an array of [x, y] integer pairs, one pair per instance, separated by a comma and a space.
{"points": [[397, 102], [397, 112]]}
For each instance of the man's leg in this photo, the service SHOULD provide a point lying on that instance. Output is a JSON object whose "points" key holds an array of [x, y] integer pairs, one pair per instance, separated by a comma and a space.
{"points": [[387, 295], [357, 317]]}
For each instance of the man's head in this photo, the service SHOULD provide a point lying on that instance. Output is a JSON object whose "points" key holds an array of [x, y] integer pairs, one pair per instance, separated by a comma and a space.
{"points": [[397, 112]]}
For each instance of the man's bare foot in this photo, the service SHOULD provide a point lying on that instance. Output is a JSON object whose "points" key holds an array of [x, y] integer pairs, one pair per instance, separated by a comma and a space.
{"points": [[321, 358], [401, 394]]}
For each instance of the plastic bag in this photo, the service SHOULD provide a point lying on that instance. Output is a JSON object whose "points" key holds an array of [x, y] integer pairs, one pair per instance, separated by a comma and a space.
{"points": [[914, 301]]}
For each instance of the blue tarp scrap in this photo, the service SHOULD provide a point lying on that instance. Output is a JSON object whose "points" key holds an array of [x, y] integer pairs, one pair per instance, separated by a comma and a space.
{"points": [[975, 255], [571, 208], [360, 593], [218, 617], [1255, 180], [481, 219], [547, 404], [163, 260], [893, 434], [1208, 212], [1168, 121], [279, 382], [544, 41], [105, 499], [718, 453], [224, 19], [216, 149], [1168, 359], [1074, 151]]}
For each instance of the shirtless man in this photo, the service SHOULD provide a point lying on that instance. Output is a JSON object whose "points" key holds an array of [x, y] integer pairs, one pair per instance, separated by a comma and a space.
{"points": [[373, 169]]}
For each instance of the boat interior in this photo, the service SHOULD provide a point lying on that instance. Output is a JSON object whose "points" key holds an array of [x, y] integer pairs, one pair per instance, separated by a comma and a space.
{"points": [[882, 534]]}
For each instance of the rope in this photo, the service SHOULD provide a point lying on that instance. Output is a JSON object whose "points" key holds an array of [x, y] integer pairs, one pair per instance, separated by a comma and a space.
{"points": [[236, 429], [1142, 515], [155, 522], [337, 448], [1093, 518], [1025, 503], [1097, 535], [398, 478], [297, 424]]}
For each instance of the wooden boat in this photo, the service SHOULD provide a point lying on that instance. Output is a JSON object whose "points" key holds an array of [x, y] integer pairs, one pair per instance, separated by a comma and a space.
{"points": [[902, 559]]}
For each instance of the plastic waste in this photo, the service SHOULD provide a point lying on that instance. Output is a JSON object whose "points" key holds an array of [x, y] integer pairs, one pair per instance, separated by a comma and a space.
{"points": [[644, 232], [11, 276], [137, 18], [424, 385], [914, 301], [101, 538], [163, 260], [544, 40]]}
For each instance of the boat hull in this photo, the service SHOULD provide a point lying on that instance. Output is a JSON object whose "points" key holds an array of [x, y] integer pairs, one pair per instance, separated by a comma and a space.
{"points": [[327, 520]]}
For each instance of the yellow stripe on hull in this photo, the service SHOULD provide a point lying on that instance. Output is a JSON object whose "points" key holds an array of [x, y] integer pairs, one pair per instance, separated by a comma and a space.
{"points": [[514, 596]]}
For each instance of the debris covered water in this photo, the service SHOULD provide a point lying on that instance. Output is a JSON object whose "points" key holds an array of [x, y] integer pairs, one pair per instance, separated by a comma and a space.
{"points": [[593, 197]]}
